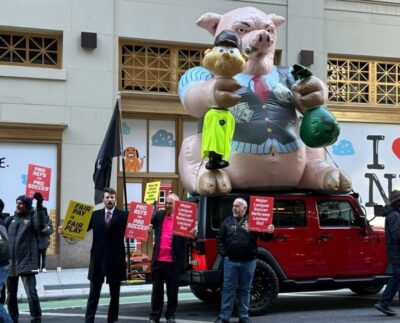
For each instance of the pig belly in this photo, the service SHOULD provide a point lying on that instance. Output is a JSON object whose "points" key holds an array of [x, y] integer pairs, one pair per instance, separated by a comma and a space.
{"points": [[266, 170]]}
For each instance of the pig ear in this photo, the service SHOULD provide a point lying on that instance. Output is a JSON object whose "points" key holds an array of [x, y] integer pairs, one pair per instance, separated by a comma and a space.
{"points": [[277, 20], [209, 21]]}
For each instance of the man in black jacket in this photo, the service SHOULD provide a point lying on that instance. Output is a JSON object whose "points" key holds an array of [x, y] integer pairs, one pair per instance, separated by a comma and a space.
{"points": [[107, 256], [169, 260], [22, 233], [392, 237], [238, 246]]}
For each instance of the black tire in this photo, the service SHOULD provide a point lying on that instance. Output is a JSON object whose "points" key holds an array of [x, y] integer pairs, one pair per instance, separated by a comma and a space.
{"points": [[264, 289], [371, 289], [207, 295]]}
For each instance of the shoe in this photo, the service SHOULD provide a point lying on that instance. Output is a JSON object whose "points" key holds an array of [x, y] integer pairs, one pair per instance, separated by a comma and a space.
{"points": [[385, 309], [44, 270], [219, 320], [154, 321], [244, 320], [170, 320]]}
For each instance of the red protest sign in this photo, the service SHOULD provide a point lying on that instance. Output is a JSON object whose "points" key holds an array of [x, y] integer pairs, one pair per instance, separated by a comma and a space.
{"points": [[139, 220], [184, 218], [260, 213], [38, 181]]}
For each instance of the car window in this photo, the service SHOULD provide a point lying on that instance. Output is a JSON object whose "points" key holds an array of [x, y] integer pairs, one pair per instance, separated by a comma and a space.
{"points": [[289, 213], [335, 213]]}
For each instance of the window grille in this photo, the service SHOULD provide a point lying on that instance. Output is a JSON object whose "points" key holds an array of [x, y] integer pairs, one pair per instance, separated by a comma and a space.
{"points": [[364, 82], [152, 68], [35, 50]]}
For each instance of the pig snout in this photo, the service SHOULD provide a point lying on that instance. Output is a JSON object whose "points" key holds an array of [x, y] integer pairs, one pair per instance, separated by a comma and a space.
{"points": [[260, 40]]}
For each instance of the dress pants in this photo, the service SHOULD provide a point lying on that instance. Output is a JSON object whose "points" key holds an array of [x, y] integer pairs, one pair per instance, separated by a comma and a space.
{"points": [[93, 300], [29, 282], [164, 272]]}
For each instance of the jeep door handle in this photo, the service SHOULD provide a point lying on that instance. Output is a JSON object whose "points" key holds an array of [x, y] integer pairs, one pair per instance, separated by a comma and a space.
{"points": [[280, 237], [324, 237]]}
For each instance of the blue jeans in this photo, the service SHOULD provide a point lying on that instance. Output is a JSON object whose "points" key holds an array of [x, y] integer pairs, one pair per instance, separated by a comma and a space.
{"points": [[392, 287], [3, 313], [238, 275]]}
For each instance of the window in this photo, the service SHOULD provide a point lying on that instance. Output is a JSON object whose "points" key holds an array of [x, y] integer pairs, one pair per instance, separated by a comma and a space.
{"points": [[289, 213], [335, 213], [362, 81], [30, 49], [155, 68]]}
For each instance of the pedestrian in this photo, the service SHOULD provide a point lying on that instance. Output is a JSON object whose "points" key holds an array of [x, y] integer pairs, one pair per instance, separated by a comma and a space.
{"points": [[22, 236], [391, 213], [238, 246], [44, 243], [168, 262], [4, 264], [3, 221], [107, 255]]}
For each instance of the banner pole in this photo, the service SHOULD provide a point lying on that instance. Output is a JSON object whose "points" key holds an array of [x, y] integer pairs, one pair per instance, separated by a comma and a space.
{"points": [[125, 200]]}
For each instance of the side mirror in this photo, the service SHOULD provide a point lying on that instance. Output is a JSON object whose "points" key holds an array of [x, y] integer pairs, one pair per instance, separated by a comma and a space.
{"points": [[378, 210], [365, 226]]}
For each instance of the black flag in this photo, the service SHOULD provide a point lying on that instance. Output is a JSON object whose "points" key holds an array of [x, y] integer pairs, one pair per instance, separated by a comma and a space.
{"points": [[111, 147]]}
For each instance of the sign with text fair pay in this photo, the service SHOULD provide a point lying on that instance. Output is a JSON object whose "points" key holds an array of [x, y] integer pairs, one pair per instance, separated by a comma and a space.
{"points": [[38, 180], [260, 213], [139, 220], [151, 192], [77, 220]]}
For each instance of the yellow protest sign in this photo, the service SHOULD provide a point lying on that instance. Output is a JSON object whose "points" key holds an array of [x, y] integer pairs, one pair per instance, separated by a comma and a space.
{"points": [[76, 220], [152, 191]]}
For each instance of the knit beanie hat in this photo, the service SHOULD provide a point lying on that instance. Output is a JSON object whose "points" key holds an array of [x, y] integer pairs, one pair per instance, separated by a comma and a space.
{"points": [[26, 200]]}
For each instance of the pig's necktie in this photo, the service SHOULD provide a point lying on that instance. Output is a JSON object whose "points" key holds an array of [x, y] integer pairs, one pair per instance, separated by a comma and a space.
{"points": [[108, 218], [260, 88]]}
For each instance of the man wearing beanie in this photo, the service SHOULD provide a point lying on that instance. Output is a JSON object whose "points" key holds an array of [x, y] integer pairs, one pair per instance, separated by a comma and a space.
{"points": [[22, 232], [392, 235]]}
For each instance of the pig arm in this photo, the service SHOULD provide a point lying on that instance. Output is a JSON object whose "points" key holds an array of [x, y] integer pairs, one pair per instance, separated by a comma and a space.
{"points": [[199, 91], [196, 91], [310, 92]]}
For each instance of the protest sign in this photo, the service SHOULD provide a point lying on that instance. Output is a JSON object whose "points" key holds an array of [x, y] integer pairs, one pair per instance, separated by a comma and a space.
{"points": [[151, 192], [184, 218], [76, 220], [260, 213], [38, 180], [139, 220]]}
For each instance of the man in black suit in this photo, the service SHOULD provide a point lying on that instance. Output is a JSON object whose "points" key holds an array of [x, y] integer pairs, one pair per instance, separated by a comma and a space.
{"points": [[107, 256], [169, 260]]}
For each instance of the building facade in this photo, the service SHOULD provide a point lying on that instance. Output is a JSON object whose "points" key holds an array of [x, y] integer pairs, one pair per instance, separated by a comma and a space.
{"points": [[64, 63]]}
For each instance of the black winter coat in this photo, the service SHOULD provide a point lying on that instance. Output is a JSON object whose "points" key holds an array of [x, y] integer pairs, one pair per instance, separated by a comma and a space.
{"points": [[22, 237], [235, 242], [392, 233], [4, 248], [107, 255], [179, 244]]}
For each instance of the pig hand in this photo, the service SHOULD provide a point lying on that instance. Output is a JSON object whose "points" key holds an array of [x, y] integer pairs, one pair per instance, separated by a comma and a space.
{"points": [[224, 95], [310, 92]]}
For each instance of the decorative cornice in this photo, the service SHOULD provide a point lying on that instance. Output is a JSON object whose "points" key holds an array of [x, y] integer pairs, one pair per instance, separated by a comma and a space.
{"points": [[31, 132], [370, 114]]}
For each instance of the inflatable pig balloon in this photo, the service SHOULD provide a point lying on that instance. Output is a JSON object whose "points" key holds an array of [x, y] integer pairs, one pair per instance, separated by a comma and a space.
{"points": [[267, 152]]}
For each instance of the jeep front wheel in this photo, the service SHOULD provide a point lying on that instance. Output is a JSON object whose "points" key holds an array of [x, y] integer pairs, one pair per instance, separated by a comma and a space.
{"points": [[207, 295], [264, 289], [367, 289]]}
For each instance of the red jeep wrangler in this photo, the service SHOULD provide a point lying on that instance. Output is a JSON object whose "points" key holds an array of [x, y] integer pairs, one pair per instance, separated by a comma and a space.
{"points": [[321, 242]]}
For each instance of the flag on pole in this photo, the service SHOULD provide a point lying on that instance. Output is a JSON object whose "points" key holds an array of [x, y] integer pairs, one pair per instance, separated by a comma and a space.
{"points": [[111, 147]]}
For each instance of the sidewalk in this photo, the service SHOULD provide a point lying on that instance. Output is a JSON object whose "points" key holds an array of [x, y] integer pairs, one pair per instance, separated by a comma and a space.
{"points": [[73, 283]]}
